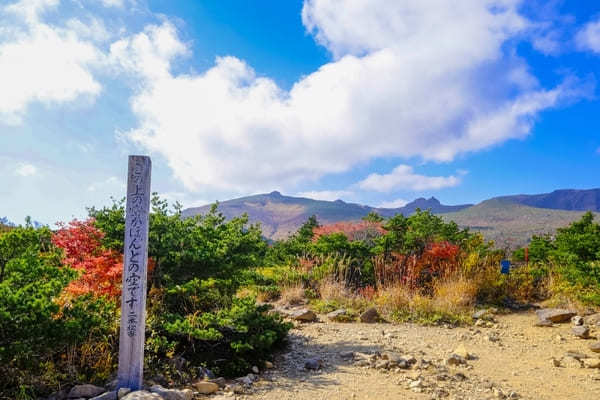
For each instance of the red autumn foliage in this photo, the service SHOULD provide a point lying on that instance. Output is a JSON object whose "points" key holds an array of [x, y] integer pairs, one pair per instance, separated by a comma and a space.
{"points": [[102, 269], [353, 230], [439, 259], [368, 292]]}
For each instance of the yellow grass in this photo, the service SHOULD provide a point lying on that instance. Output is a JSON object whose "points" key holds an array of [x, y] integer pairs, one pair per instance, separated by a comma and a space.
{"points": [[292, 295]]}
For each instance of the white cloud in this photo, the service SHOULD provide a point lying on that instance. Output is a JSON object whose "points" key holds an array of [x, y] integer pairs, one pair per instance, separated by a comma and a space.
{"points": [[93, 29], [113, 3], [588, 38], [25, 169], [404, 178], [410, 79], [41, 62], [110, 184], [328, 195], [393, 203]]}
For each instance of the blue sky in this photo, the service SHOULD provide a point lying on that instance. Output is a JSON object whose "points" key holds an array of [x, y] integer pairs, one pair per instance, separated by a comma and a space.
{"points": [[376, 102]]}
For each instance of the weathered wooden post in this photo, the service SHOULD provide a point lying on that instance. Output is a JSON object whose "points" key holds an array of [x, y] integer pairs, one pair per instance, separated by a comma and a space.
{"points": [[135, 263]]}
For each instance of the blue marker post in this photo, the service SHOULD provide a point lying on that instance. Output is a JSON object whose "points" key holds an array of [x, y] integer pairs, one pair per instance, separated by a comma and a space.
{"points": [[505, 266]]}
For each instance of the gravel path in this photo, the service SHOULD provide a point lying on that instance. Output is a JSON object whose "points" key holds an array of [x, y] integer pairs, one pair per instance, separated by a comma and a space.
{"points": [[511, 359]]}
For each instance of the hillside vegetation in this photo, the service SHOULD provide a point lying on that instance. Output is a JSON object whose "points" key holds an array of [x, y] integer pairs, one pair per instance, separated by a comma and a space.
{"points": [[508, 220], [280, 216], [509, 224], [59, 290]]}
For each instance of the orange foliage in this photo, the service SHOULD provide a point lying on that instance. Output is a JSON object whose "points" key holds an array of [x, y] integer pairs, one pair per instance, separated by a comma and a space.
{"points": [[439, 259], [353, 230], [102, 269]]}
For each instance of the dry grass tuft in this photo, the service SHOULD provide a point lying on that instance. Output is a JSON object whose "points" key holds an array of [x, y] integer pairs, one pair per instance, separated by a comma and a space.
{"points": [[292, 295], [331, 290], [455, 294]]}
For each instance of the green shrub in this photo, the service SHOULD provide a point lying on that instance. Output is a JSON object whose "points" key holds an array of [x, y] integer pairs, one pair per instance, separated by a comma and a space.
{"points": [[41, 333], [229, 341]]}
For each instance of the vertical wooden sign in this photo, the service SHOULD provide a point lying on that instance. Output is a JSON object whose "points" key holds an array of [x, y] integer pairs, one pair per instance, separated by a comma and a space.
{"points": [[135, 264]]}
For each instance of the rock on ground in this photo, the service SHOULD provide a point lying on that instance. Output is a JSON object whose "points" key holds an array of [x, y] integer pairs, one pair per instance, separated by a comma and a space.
{"points": [[313, 363], [142, 395], [304, 315], [370, 315], [336, 315], [581, 331], [556, 315], [172, 394], [112, 395], [86, 391], [205, 387], [591, 362]]}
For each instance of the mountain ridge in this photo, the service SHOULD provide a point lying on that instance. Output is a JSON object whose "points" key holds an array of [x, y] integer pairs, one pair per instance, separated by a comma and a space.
{"points": [[511, 218], [281, 215]]}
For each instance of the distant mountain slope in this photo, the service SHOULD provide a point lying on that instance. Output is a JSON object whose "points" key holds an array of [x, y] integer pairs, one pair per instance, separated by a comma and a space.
{"points": [[432, 204], [510, 224], [567, 199], [282, 215], [508, 220]]}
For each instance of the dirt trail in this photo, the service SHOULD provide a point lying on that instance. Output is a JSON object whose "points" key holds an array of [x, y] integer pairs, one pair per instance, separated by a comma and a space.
{"points": [[513, 357]]}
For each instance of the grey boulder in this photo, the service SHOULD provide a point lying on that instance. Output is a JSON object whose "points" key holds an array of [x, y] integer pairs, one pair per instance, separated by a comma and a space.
{"points": [[304, 315], [142, 395], [370, 315], [556, 315], [85, 391]]}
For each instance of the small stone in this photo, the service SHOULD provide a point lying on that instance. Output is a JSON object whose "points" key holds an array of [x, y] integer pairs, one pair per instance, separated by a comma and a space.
{"points": [[313, 364], [206, 387], [112, 395], [235, 388], [582, 331], [304, 315], [455, 359], [370, 315], [570, 362], [362, 363], [595, 347], [577, 320], [459, 376], [416, 384], [544, 323], [576, 354], [498, 393], [142, 395], [172, 394], [87, 391], [383, 364], [556, 315], [347, 354], [491, 338], [122, 392], [255, 369], [268, 365], [555, 362], [461, 351], [337, 314], [591, 362]]}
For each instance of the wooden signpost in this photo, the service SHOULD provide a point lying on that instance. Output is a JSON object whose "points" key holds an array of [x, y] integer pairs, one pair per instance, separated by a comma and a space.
{"points": [[135, 264]]}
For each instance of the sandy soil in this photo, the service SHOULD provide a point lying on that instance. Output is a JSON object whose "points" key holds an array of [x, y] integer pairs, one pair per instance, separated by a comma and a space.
{"points": [[512, 359]]}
